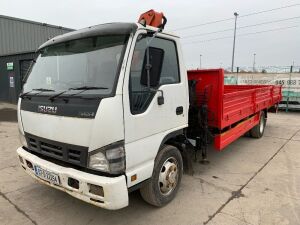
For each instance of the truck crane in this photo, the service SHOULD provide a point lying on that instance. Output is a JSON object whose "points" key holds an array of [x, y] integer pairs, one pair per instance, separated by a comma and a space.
{"points": [[111, 108]]}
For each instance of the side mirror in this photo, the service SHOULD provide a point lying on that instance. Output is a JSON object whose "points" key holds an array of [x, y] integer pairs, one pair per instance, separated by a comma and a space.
{"points": [[153, 69]]}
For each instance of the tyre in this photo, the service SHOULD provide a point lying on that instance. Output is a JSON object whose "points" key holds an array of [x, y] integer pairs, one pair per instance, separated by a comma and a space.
{"points": [[166, 177], [258, 130]]}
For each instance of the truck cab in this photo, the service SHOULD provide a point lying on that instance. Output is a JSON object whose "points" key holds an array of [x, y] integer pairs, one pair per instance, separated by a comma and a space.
{"points": [[99, 111]]}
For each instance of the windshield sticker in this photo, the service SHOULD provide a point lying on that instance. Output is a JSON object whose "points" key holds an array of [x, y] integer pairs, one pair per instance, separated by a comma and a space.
{"points": [[48, 80]]}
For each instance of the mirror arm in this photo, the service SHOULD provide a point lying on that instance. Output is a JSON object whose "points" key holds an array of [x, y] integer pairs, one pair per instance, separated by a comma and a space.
{"points": [[149, 66], [160, 99], [162, 92]]}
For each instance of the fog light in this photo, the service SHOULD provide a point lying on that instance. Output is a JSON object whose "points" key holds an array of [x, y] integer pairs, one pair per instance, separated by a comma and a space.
{"points": [[73, 183], [96, 190], [29, 164]]}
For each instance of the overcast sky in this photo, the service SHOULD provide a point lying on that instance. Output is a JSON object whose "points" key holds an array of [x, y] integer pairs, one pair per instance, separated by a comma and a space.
{"points": [[278, 48]]}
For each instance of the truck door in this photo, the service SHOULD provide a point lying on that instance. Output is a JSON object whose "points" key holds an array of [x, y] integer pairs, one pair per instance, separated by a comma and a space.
{"points": [[147, 122]]}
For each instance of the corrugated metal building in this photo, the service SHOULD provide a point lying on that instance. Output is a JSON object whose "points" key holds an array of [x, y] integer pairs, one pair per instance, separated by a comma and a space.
{"points": [[19, 40]]}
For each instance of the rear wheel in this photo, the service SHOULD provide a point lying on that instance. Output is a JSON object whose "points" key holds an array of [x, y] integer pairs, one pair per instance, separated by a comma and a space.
{"points": [[259, 129], [166, 177]]}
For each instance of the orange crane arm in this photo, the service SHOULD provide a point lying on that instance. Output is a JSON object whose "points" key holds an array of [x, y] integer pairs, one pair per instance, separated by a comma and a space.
{"points": [[153, 18]]}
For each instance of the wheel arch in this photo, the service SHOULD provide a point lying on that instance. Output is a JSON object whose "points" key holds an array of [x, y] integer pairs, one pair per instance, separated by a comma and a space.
{"points": [[177, 139], [170, 138]]}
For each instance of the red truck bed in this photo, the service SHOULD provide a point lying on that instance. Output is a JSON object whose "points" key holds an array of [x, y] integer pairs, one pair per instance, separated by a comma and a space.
{"points": [[230, 104]]}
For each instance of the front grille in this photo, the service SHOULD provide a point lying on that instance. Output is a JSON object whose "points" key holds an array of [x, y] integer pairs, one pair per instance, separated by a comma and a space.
{"points": [[73, 154]]}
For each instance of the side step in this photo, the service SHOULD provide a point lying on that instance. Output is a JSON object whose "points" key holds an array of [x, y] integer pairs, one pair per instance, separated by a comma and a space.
{"points": [[224, 139]]}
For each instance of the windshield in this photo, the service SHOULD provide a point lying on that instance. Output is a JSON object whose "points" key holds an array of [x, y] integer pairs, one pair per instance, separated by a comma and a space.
{"points": [[91, 62]]}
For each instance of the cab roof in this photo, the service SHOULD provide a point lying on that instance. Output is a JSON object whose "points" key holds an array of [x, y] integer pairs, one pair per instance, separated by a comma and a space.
{"points": [[101, 29]]}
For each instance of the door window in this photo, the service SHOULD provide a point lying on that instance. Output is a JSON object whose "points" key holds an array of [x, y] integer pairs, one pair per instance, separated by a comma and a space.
{"points": [[140, 95]]}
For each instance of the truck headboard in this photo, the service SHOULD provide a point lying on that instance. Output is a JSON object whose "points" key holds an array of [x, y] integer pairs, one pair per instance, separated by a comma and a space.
{"points": [[209, 90]]}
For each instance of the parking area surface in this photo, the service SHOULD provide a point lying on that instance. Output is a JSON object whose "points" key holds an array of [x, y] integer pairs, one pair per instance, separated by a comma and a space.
{"points": [[253, 181]]}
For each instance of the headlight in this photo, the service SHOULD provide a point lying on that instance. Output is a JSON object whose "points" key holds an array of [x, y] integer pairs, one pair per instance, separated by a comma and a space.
{"points": [[110, 158], [22, 138], [99, 162]]}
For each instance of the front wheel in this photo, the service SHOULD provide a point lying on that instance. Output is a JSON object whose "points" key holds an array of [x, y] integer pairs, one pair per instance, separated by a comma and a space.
{"points": [[166, 177], [259, 129]]}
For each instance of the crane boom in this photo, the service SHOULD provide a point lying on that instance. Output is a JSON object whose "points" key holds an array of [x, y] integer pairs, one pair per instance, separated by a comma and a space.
{"points": [[153, 18]]}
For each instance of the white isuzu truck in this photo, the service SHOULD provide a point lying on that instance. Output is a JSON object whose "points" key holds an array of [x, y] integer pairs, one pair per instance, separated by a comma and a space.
{"points": [[111, 108], [98, 111]]}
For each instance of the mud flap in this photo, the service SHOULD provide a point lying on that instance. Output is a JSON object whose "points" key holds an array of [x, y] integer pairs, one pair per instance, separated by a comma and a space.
{"points": [[187, 153]]}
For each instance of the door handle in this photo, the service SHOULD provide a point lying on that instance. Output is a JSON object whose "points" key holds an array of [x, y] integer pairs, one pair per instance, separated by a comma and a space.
{"points": [[179, 110]]}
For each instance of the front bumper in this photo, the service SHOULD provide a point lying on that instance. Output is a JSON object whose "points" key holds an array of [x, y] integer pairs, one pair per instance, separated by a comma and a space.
{"points": [[114, 188]]}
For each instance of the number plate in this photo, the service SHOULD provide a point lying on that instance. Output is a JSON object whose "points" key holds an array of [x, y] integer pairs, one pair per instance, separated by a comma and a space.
{"points": [[46, 175]]}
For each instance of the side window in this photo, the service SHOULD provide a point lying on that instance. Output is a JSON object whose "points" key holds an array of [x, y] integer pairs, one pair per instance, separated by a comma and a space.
{"points": [[170, 69], [140, 95]]}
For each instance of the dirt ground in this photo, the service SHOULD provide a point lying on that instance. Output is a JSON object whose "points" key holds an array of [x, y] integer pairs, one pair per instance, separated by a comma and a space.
{"points": [[8, 113], [253, 181]]}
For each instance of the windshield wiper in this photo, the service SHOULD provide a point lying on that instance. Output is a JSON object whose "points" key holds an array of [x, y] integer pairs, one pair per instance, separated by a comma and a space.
{"points": [[26, 94], [42, 89], [55, 96], [83, 88], [23, 95], [88, 88]]}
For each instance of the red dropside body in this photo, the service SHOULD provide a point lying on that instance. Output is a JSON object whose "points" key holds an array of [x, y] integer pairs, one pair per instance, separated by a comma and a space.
{"points": [[234, 108]]}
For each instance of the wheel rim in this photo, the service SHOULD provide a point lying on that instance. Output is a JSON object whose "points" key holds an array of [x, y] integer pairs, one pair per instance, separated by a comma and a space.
{"points": [[261, 125], [168, 176]]}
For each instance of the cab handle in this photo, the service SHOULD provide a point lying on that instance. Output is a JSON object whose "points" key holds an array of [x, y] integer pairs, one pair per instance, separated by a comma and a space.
{"points": [[179, 110]]}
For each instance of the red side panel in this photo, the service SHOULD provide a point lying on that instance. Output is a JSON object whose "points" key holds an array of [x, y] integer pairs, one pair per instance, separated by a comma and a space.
{"points": [[229, 104], [224, 139], [241, 101]]}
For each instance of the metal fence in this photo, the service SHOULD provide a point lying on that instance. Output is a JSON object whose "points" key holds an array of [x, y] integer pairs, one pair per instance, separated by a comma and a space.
{"points": [[266, 69], [290, 82]]}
